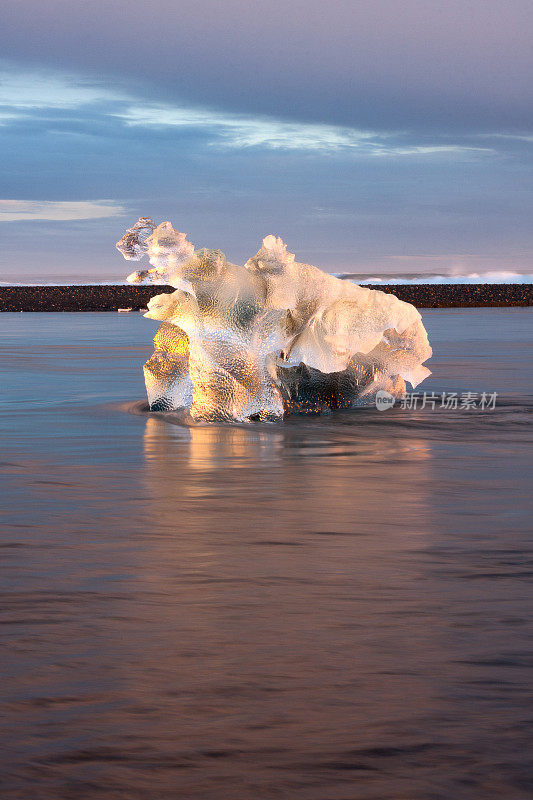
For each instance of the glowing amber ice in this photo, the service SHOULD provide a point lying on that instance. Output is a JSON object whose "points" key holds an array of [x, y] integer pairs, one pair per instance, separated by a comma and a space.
{"points": [[268, 338]]}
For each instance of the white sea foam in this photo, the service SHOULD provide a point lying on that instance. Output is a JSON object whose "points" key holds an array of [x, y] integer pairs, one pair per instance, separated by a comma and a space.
{"points": [[391, 279], [362, 278]]}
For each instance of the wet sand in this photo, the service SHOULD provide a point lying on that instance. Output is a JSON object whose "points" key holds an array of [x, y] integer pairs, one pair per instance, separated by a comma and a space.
{"points": [[327, 609]]}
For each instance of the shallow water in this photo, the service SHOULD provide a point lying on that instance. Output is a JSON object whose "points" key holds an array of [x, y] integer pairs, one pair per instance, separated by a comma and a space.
{"points": [[333, 608]]}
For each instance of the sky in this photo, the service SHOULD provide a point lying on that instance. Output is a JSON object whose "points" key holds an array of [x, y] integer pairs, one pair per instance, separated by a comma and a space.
{"points": [[372, 135]]}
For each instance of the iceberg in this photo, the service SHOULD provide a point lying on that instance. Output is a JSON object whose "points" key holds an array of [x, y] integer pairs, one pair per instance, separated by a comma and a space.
{"points": [[270, 338]]}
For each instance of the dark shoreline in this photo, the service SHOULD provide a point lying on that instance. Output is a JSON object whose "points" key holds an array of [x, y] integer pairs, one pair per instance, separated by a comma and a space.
{"points": [[112, 298]]}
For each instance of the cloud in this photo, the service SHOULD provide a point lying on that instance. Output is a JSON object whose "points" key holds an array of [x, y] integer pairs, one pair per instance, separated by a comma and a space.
{"points": [[24, 90], [53, 210], [246, 131], [359, 133], [74, 104], [370, 64]]}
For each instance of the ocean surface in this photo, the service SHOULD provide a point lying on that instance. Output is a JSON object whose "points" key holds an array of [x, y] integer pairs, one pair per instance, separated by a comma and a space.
{"points": [[335, 608]]}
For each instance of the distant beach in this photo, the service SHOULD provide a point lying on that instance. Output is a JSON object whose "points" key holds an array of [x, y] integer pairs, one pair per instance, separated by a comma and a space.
{"points": [[101, 297]]}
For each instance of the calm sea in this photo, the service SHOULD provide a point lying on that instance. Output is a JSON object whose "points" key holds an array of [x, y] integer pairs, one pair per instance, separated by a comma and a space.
{"points": [[335, 608]]}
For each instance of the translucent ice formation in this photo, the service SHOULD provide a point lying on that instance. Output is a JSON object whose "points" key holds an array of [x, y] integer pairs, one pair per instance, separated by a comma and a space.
{"points": [[270, 338]]}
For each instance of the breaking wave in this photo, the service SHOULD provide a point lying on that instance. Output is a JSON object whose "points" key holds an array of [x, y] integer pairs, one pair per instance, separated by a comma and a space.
{"points": [[363, 279], [427, 278]]}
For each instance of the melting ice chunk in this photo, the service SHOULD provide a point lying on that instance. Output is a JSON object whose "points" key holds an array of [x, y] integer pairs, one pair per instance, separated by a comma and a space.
{"points": [[269, 338]]}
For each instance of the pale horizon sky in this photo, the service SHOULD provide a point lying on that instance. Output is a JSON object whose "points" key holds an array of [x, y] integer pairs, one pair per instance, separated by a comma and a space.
{"points": [[372, 136]]}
